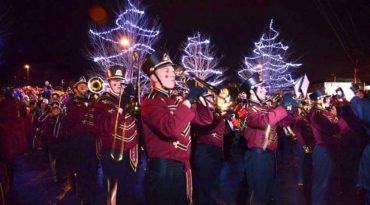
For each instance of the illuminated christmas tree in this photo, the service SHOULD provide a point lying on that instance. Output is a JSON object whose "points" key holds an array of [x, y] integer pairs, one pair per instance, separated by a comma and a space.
{"points": [[199, 58], [269, 59], [126, 44]]}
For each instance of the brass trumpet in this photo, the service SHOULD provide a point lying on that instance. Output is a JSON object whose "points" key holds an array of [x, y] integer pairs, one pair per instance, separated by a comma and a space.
{"points": [[95, 85], [224, 98], [182, 76]]}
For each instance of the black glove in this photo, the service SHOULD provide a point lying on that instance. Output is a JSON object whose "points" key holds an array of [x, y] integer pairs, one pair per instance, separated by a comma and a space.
{"points": [[126, 96], [190, 83], [195, 92]]}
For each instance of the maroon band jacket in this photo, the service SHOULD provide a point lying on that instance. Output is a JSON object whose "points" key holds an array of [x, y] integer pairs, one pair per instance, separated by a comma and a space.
{"points": [[105, 119], [261, 125], [166, 125], [325, 126], [211, 134], [79, 117]]}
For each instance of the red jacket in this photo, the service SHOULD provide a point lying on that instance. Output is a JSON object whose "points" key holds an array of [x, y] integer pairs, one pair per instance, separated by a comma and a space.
{"points": [[302, 130], [105, 119], [12, 135], [258, 119], [325, 126], [79, 117], [211, 134], [166, 125]]}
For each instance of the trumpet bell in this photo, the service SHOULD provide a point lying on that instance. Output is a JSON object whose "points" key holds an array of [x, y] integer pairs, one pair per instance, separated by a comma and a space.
{"points": [[95, 85]]}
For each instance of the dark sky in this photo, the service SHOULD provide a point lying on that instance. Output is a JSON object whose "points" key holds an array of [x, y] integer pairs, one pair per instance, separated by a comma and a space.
{"points": [[52, 36]]}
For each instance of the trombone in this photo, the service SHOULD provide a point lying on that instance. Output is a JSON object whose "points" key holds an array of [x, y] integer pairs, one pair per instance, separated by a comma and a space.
{"points": [[112, 153], [132, 108]]}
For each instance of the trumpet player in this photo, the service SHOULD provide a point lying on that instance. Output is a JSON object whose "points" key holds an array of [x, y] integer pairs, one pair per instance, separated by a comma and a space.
{"points": [[79, 125], [166, 120], [261, 138], [325, 128], [117, 137]]}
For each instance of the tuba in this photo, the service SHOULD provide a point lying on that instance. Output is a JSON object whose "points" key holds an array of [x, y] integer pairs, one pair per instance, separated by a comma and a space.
{"points": [[95, 85]]}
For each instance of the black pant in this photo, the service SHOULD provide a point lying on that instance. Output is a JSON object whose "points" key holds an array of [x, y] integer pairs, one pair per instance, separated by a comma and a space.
{"points": [[260, 168], [83, 165], [165, 182], [58, 160], [206, 168], [119, 178]]}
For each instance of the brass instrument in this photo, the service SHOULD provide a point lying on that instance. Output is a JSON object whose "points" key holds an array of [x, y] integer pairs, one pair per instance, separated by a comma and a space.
{"points": [[267, 139], [95, 85], [182, 76], [224, 98], [120, 155], [289, 132], [132, 108]]}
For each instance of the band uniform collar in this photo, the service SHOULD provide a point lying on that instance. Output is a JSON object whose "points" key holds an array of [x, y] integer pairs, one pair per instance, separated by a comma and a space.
{"points": [[255, 102], [167, 93]]}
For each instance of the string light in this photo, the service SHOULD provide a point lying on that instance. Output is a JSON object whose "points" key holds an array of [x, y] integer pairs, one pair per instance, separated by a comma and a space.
{"points": [[269, 61], [199, 59], [116, 46]]}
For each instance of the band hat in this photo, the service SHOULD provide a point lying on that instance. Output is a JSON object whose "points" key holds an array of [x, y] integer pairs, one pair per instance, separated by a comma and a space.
{"points": [[317, 94], [116, 72], [253, 81], [355, 88], [82, 79], [155, 61]]}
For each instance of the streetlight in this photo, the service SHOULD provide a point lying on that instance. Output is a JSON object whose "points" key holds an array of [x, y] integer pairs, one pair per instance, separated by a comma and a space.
{"points": [[27, 67], [259, 66], [124, 42]]}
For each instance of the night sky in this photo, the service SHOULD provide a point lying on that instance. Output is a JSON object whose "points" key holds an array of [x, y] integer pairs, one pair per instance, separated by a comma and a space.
{"points": [[52, 35]]}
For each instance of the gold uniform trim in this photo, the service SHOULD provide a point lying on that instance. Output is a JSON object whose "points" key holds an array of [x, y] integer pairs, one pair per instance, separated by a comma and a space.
{"points": [[85, 122], [216, 135], [180, 146], [126, 139], [128, 127], [186, 130], [152, 95]]}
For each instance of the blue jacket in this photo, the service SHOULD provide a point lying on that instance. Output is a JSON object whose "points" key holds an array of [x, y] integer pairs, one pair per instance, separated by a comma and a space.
{"points": [[361, 108]]}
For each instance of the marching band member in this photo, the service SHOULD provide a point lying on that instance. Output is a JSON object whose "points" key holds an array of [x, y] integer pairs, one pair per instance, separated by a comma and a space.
{"points": [[284, 130], [305, 141], [117, 134], [166, 120], [361, 108], [325, 128], [261, 139], [207, 158], [55, 143], [79, 125]]}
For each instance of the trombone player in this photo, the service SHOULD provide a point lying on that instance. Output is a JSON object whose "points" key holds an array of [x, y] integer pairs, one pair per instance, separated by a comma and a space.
{"points": [[118, 139]]}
